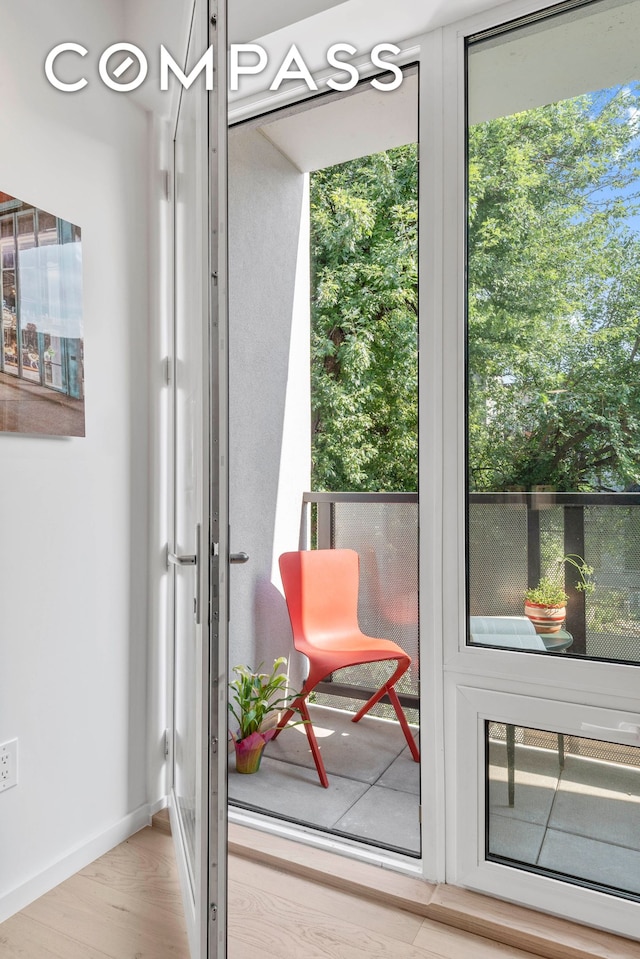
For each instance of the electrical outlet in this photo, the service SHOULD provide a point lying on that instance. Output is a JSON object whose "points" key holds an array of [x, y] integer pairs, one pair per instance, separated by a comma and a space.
{"points": [[8, 764]]}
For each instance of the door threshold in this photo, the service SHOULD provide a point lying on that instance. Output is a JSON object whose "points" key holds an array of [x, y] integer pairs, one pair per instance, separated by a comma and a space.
{"points": [[306, 834], [494, 919]]}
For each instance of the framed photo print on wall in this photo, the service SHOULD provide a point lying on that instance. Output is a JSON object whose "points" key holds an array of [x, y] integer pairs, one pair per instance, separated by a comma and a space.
{"points": [[42, 347]]}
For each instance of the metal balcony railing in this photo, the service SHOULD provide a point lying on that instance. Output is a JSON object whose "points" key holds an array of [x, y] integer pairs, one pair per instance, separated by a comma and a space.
{"points": [[383, 529], [512, 539]]}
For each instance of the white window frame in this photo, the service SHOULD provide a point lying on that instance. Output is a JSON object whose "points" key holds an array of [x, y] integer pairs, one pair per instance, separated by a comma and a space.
{"points": [[474, 706], [557, 680]]}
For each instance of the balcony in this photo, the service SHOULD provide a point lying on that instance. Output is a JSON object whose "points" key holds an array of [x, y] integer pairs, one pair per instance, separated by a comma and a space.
{"points": [[513, 538]]}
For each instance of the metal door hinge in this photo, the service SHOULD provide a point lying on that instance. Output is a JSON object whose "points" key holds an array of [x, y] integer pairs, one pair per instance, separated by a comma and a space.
{"points": [[167, 743], [213, 912], [167, 370], [420, 814]]}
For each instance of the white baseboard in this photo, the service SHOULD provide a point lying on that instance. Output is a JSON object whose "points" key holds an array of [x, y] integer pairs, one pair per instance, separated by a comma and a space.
{"points": [[80, 857], [159, 804]]}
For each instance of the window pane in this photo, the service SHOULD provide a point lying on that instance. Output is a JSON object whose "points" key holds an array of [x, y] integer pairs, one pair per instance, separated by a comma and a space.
{"points": [[47, 228], [554, 335], [564, 805], [26, 235]]}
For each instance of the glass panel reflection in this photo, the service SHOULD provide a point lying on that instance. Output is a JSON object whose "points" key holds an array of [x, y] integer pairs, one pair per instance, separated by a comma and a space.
{"points": [[565, 806]]}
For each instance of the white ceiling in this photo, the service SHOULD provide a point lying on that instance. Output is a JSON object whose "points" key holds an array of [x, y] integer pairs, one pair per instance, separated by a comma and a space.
{"points": [[254, 19], [362, 23], [149, 23], [249, 19], [541, 64], [334, 131], [552, 60]]}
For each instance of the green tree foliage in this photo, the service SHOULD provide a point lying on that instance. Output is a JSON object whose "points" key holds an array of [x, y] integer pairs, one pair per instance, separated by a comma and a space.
{"points": [[554, 296], [364, 323], [553, 307]]}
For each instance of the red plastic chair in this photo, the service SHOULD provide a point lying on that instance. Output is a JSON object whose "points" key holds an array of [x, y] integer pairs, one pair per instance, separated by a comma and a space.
{"points": [[321, 590]]}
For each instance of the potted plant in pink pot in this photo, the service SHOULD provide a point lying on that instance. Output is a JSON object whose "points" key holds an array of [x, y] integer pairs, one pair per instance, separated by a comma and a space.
{"points": [[255, 700], [546, 603]]}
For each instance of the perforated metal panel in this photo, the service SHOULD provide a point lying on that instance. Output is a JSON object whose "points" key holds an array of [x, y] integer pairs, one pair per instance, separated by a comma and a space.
{"points": [[497, 559], [385, 535], [612, 543]]}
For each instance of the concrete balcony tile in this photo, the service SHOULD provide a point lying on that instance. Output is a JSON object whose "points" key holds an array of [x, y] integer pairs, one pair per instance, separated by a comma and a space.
{"points": [[600, 801], [362, 751], [592, 860], [294, 792], [384, 816], [515, 839], [536, 778]]}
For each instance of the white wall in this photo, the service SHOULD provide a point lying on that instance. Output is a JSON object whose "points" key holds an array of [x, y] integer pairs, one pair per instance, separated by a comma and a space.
{"points": [[269, 386], [148, 24], [73, 512]]}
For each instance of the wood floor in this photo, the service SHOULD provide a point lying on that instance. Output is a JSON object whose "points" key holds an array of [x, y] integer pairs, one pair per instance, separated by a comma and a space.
{"points": [[126, 905]]}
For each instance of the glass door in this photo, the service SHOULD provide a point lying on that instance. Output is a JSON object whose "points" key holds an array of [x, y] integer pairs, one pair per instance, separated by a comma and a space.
{"points": [[198, 794], [313, 397], [547, 716]]}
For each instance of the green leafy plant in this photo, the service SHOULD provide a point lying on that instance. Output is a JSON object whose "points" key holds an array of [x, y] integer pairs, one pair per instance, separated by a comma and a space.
{"points": [[547, 593], [255, 695], [551, 592]]}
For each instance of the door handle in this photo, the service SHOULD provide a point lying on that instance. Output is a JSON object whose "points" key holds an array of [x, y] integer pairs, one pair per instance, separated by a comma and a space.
{"points": [[238, 558], [188, 560]]}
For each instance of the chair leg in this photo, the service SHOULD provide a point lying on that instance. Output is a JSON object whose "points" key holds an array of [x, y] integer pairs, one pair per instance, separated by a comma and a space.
{"points": [[294, 707], [402, 719], [283, 722], [300, 705], [388, 689], [401, 668], [313, 743]]}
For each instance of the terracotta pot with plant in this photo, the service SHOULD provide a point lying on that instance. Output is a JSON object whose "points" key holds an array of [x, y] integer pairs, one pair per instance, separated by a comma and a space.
{"points": [[255, 698], [546, 603]]}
